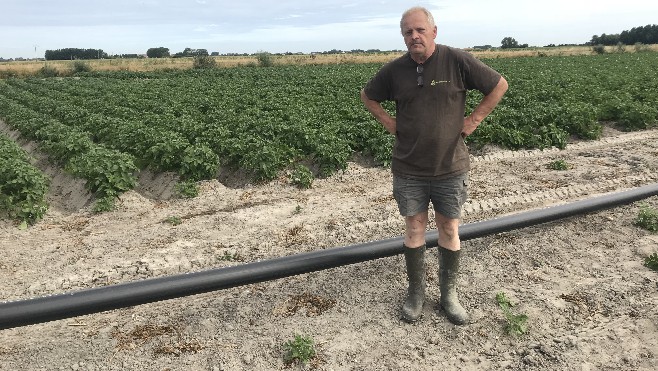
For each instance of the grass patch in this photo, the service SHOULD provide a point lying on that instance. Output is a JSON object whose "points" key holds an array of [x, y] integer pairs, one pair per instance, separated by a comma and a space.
{"points": [[651, 261], [173, 220], [186, 189], [647, 218], [558, 165], [517, 324]]}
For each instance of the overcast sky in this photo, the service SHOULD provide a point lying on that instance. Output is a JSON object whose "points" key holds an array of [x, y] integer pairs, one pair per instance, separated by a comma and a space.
{"points": [[30, 27]]}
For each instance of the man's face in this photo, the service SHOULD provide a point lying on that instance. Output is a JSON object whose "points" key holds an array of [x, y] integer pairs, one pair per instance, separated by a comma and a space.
{"points": [[418, 34]]}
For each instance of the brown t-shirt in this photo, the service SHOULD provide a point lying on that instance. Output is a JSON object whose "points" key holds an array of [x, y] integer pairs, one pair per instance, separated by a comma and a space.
{"points": [[430, 118]]}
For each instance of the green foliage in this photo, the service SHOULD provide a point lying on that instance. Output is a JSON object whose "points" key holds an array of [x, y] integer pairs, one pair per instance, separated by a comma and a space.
{"points": [[264, 59], [647, 218], [165, 152], [199, 162], [105, 203], [204, 61], [23, 187], [62, 145], [80, 66], [300, 350], [620, 47], [263, 121], [598, 49], [651, 261], [508, 43], [516, 323], [74, 53], [638, 116], [160, 52], [301, 176], [48, 71], [558, 165], [173, 220], [641, 48], [108, 172], [230, 257], [186, 189]]}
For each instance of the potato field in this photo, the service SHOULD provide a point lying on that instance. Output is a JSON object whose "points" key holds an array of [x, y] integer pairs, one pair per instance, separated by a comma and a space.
{"points": [[294, 121]]}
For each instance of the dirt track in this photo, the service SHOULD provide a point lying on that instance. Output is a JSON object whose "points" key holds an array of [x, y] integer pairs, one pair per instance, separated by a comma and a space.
{"points": [[590, 303]]}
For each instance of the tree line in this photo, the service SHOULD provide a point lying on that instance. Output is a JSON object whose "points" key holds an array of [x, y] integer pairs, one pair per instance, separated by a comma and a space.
{"points": [[644, 34], [75, 53]]}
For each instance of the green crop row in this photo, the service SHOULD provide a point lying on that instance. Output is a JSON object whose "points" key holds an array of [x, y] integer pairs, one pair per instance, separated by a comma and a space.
{"points": [[309, 119], [23, 187], [107, 172]]}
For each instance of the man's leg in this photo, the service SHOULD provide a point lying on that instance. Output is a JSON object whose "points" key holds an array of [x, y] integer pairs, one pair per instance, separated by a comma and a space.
{"points": [[449, 250], [414, 235], [414, 254], [448, 232]]}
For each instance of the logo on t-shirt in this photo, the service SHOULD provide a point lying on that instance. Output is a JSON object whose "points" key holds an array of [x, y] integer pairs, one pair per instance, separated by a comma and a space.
{"points": [[434, 82]]}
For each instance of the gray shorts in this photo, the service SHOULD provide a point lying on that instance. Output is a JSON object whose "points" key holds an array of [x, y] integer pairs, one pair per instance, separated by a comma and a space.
{"points": [[447, 195]]}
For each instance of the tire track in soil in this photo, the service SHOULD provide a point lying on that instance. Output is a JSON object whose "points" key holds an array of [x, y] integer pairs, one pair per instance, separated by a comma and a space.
{"points": [[535, 193]]}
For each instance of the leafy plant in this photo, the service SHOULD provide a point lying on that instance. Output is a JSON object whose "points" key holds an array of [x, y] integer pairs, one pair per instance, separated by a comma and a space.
{"points": [[230, 257], [108, 172], [516, 323], [598, 49], [80, 66], [558, 165], [23, 190], [647, 218], [301, 176], [174, 220], [199, 162], [186, 189], [204, 61], [105, 203], [264, 59], [299, 350], [48, 71], [651, 261]]}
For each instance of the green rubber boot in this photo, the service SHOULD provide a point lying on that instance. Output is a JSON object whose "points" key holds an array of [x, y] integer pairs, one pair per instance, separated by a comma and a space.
{"points": [[413, 304], [448, 274]]}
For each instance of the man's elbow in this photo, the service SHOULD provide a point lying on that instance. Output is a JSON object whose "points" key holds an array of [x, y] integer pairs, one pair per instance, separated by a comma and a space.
{"points": [[502, 86], [364, 97]]}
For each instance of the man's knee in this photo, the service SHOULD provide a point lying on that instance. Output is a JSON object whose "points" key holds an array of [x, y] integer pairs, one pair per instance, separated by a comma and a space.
{"points": [[415, 229], [449, 227]]}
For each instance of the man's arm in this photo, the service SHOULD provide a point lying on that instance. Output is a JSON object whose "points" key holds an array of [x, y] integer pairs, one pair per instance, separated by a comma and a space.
{"points": [[486, 106], [376, 109]]}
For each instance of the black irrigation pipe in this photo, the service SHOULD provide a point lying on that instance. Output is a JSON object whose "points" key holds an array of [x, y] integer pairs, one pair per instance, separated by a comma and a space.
{"points": [[94, 300]]}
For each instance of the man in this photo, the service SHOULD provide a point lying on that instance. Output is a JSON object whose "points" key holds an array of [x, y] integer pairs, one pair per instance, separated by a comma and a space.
{"points": [[430, 159]]}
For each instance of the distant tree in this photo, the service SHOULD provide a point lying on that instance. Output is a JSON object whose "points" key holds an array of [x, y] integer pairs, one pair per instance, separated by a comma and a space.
{"points": [[160, 52], [74, 53], [189, 52], [508, 43]]}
